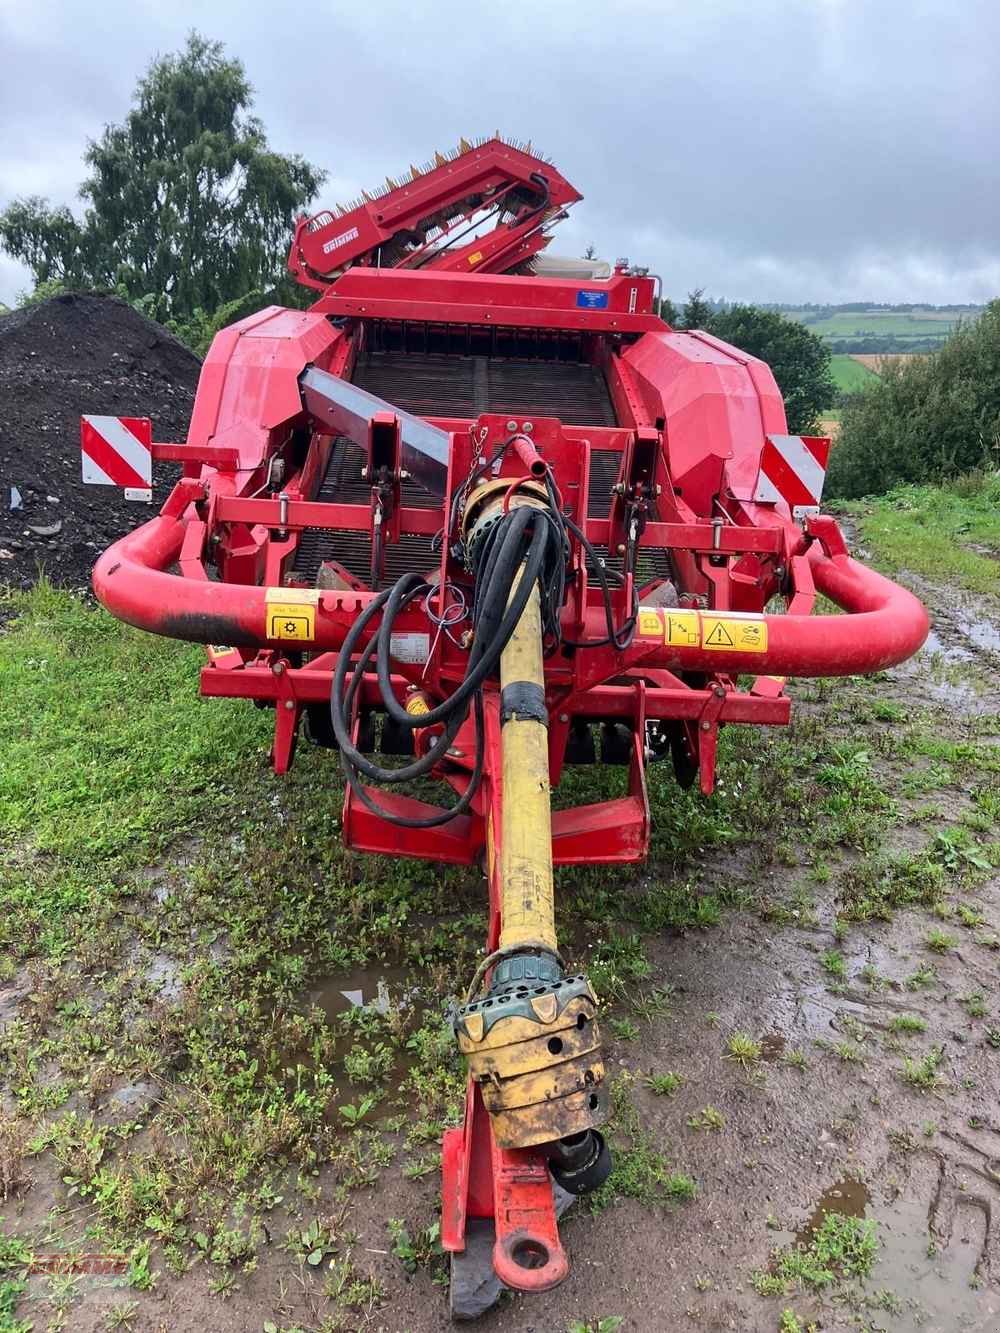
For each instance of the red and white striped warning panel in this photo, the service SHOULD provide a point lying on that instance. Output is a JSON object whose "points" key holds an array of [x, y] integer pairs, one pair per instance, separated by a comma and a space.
{"points": [[793, 469], [117, 451]]}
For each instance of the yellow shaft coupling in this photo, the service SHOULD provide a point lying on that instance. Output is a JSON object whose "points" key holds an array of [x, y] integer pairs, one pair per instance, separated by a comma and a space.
{"points": [[537, 1059]]}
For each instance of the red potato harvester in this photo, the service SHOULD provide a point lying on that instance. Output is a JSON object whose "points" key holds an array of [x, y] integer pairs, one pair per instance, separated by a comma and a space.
{"points": [[519, 522]]}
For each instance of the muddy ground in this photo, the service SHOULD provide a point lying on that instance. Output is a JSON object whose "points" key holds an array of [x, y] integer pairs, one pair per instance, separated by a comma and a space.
{"points": [[845, 1107]]}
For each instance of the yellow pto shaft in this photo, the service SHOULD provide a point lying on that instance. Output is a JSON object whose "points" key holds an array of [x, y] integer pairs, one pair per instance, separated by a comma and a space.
{"points": [[532, 1041], [528, 912]]}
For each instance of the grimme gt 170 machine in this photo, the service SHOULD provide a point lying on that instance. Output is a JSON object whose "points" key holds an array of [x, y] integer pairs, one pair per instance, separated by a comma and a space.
{"points": [[484, 512]]}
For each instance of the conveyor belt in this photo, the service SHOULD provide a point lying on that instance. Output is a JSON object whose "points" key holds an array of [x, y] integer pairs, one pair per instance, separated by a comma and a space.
{"points": [[464, 386], [344, 484]]}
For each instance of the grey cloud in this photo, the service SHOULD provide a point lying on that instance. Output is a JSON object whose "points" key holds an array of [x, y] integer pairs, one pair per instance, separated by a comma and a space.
{"points": [[794, 149]]}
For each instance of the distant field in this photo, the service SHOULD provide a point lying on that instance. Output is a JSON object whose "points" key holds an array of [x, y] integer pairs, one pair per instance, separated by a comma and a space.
{"points": [[937, 325], [830, 425], [904, 324], [871, 360], [849, 374]]}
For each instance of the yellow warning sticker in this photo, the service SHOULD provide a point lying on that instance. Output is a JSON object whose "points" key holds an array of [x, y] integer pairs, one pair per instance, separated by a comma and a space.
{"points": [[475, 258], [734, 634], [650, 622], [682, 629], [291, 613]]}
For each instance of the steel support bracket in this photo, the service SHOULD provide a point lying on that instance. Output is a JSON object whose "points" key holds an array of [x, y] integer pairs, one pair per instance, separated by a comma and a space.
{"points": [[708, 736]]}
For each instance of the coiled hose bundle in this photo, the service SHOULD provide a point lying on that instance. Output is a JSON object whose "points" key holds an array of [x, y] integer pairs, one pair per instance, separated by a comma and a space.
{"points": [[535, 537]]}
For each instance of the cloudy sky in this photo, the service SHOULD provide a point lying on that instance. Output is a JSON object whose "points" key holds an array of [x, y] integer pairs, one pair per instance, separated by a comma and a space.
{"points": [[780, 150]]}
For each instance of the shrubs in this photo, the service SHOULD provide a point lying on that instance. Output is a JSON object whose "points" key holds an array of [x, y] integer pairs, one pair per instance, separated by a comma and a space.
{"points": [[924, 420]]}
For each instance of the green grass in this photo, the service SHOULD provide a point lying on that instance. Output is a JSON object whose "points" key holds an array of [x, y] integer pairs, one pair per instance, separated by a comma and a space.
{"points": [[849, 376], [708, 1118], [664, 1085], [834, 964], [107, 753], [923, 1074], [743, 1049], [840, 1247], [907, 1023], [142, 832], [639, 1169], [932, 530], [939, 941], [99, 758]]}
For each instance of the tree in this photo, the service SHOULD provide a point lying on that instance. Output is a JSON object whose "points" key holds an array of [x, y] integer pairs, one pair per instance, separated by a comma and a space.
{"points": [[187, 204], [798, 358], [697, 313], [668, 311], [925, 418]]}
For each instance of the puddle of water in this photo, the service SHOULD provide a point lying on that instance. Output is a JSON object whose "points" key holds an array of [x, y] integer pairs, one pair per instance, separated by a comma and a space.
{"points": [[983, 633], [932, 1287], [983, 636], [164, 974], [935, 646], [848, 1197], [376, 987], [817, 1013]]}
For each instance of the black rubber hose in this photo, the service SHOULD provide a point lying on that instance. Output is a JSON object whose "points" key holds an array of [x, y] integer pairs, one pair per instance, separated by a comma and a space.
{"points": [[407, 821], [494, 623], [488, 643], [412, 586]]}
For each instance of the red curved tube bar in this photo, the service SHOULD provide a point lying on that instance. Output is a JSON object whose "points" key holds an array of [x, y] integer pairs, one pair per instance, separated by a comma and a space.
{"points": [[885, 624]]}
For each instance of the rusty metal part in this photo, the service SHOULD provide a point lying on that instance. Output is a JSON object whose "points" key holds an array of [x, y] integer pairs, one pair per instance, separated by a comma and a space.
{"points": [[535, 1053]]}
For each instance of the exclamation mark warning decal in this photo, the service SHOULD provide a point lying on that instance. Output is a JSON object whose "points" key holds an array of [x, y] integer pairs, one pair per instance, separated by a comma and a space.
{"points": [[719, 637], [734, 634]]}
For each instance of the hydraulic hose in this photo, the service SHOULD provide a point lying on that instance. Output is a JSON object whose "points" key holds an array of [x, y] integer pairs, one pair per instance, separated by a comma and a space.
{"points": [[497, 610]]}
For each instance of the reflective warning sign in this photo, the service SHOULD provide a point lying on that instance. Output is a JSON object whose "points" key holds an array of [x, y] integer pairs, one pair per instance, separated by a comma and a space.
{"points": [[291, 613], [682, 629], [650, 624], [734, 634]]}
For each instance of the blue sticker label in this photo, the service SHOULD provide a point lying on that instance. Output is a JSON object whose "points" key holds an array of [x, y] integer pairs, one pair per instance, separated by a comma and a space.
{"points": [[592, 300]]}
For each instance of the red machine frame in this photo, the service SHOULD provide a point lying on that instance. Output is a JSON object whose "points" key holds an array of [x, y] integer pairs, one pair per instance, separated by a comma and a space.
{"points": [[693, 416]]}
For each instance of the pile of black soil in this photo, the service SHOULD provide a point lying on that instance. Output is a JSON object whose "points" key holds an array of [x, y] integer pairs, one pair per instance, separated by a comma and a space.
{"points": [[65, 357]]}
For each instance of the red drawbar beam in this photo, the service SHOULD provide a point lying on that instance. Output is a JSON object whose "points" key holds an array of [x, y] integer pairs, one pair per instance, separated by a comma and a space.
{"points": [[885, 625]]}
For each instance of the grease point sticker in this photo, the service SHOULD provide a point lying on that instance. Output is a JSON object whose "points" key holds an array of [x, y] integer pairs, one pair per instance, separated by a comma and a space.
{"points": [[291, 613]]}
